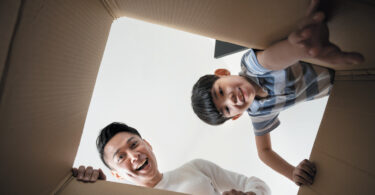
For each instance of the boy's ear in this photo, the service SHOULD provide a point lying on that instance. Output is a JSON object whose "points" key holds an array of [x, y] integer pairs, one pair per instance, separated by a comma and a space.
{"points": [[115, 174], [222, 72], [236, 117]]}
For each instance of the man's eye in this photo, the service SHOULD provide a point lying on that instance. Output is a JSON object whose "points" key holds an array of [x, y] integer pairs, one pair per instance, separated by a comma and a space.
{"points": [[134, 144], [120, 157]]}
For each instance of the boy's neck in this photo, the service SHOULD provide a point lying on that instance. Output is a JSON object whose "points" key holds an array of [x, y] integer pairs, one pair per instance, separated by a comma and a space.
{"points": [[259, 92]]}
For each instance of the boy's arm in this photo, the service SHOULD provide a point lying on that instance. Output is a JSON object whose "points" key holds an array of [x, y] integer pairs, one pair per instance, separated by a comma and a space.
{"points": [[309, 41], [302, 174]]}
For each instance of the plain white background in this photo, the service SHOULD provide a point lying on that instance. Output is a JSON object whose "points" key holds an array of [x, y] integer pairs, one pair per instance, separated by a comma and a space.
{"points": [[145, 81]]}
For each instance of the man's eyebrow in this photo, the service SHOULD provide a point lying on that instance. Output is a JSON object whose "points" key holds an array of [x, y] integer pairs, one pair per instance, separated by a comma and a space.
{"points": [[118, 150]]}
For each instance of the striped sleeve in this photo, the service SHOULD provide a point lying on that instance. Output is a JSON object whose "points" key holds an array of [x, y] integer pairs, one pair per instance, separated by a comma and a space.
{"points": [[250, 61], [265, 124]]}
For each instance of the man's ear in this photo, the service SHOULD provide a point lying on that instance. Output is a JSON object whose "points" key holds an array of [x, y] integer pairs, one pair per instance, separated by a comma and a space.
{"points": [[149, 145], [116, 174], [222, 72], [236, 117]]}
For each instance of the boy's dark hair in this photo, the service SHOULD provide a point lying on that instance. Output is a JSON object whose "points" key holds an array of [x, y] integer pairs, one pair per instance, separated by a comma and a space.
{"points": [[110, 131], [201, 100]]}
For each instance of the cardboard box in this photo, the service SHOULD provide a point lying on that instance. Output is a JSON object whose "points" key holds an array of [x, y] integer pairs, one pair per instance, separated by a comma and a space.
{"points": [[50, 52]]}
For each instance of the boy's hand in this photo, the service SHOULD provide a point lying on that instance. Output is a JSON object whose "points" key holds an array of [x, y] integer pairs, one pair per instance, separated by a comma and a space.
{"points": [[88, 174], [235, 192], [313, 36], [304, 173]]}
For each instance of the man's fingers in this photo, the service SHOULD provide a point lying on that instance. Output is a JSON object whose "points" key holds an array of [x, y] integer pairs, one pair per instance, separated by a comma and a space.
{"points": [[102, 175], [81, 172], [74, 172], [312, 7], [94, 176], [88, 173]]}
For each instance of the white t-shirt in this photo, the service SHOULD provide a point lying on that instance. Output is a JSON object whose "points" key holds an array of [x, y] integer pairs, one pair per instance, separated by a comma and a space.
{"points": [[201, 177]]}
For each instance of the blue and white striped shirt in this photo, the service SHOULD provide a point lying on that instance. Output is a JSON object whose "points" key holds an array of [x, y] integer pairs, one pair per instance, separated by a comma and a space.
{"points": [[297, 83]]}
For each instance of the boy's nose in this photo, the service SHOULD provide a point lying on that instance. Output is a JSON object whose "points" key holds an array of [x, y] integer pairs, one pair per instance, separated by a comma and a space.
{"points": [[233, 98]]}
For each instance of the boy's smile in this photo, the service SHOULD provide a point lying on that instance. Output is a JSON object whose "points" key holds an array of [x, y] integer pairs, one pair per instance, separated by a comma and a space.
{"points": [[232, 95]]}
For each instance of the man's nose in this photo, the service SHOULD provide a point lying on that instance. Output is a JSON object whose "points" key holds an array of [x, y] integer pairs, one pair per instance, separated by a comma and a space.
{"points": [[133, 156]]}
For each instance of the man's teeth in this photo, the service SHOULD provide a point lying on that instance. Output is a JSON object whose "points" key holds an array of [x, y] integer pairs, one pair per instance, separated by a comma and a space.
{"points": [[140, 166]]}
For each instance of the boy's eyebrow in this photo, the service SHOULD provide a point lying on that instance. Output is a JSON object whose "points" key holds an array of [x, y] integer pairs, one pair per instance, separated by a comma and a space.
{"points": [[214, 92], [118, 149]]}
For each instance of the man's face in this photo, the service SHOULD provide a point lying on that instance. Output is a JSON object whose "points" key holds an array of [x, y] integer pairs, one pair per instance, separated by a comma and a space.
{"points": [[232, 95], [131, 157]]}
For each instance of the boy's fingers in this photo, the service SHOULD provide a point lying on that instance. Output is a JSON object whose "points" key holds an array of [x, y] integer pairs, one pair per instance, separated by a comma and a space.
{"points": [[318, 17], [297, 37], [301, 180], [354, 58], [304, 175], [309, 170], [312, 7], [308, 22]]}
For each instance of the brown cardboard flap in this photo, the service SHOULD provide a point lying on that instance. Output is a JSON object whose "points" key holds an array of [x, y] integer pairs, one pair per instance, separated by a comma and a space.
{"points": [[343, 149], [55, 57], [257, 24], [251, 23], [352, 29], [75, 187]]}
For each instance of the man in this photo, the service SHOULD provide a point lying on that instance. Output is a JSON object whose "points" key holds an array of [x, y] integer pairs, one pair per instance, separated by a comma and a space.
{"points": [[130, 157]]}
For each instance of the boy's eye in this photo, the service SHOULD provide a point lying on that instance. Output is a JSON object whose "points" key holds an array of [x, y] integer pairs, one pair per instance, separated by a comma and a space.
{"points": [[221, 91]]}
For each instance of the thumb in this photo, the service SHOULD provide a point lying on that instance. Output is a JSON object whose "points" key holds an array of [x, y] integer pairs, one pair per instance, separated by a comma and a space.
{"points": [[102, 175]]}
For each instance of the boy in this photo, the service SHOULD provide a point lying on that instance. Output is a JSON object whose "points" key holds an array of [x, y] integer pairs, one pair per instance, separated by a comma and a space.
{"points": [[271, 81]]}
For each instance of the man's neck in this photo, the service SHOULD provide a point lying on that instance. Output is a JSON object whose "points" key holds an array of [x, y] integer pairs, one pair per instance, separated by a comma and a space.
{"points": [[154, 181]]}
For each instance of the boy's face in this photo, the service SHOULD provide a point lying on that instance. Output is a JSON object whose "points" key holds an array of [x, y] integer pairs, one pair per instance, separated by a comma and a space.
{"points": [[131, 157], [232, 95]]}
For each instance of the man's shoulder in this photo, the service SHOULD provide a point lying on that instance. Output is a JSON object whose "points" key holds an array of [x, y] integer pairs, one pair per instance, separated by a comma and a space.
{"points": [[197, 164]]}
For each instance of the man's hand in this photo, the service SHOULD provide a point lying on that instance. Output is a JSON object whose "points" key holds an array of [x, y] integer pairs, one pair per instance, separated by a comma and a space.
{"points": [[235, 192], [88, 174], [313, 36], [304, 173]]}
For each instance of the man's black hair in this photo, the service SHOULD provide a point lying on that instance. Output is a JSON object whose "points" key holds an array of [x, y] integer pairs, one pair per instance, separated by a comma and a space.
{"points": [[201, 100], [110, 131]]}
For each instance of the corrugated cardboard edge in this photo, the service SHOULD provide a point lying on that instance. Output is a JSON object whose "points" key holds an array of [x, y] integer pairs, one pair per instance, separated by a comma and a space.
{"points": [[355, 75], [10, 14], [351, 165], [68, 178], [112, 7]]}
